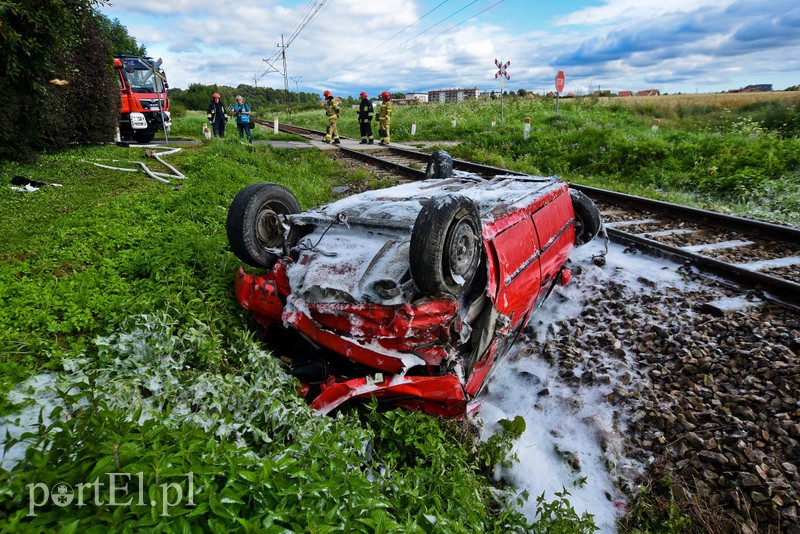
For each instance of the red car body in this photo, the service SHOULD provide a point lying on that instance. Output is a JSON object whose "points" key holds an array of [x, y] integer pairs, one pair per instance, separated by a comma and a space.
{"points": [[345, 286]]}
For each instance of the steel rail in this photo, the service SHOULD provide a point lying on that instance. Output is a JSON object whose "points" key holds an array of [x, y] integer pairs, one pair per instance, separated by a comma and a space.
{"points": [[781, 290], [768, 230]]}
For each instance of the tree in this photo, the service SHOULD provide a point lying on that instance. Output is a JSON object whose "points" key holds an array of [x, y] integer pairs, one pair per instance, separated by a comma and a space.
{"points": [[55, 77], [120, 41], [522, 92]]}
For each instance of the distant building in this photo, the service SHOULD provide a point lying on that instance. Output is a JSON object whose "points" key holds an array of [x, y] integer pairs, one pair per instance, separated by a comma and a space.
{"points": [[405, 101], [648, 92], [452, 95], [758, 88], [604, 92], [421, 97], [625, 93]]}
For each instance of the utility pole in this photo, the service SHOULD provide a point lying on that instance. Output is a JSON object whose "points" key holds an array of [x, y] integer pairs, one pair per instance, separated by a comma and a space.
{"points": [[286, 79], [273, 68], [297, 81]]}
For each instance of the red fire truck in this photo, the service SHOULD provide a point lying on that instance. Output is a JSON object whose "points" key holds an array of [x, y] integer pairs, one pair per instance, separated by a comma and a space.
{"points": [[144, 106]]}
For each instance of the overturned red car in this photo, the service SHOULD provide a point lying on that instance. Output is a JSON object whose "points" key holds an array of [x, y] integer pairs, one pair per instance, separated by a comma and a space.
{"points": [[408, 294]]}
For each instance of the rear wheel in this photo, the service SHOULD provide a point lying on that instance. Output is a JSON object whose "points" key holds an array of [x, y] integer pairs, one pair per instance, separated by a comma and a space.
{"points": [[446, 245], [440, 165], [255, 226], [587, 217]]}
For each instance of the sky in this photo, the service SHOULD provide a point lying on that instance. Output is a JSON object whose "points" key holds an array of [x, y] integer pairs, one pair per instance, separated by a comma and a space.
{"points": [[348, 46]]}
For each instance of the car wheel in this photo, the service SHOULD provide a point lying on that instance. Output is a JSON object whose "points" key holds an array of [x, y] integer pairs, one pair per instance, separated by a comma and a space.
{"points": [[587, 217], [440, 165], [143, 137], [255, 230], [446, 245]]}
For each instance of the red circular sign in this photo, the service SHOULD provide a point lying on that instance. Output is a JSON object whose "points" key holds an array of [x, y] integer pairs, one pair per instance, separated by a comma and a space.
{"points": [[560, 80]]}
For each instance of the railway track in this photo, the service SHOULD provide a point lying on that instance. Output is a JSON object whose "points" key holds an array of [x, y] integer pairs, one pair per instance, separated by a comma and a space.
{"points": [[747, 252]]}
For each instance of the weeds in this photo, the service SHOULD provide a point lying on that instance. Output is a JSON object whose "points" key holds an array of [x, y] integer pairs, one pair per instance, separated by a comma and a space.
{"points": [[716, 152]]}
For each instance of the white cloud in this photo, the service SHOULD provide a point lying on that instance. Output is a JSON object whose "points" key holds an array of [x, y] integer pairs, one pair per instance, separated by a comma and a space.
{"points": [[351, 45], [616, 11]]}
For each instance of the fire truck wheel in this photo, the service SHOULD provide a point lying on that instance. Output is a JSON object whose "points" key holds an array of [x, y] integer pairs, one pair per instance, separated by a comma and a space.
{"points": [[587, 217], [440, 165], [446, 245], [256, 227], [143, 137]]}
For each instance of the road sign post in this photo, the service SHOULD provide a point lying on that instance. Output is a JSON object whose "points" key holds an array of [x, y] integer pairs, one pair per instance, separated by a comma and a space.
{"points": [[502, 72], [560, 81]]}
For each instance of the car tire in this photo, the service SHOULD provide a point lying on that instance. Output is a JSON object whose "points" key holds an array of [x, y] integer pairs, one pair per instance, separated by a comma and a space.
{"points": [[440, 165], [143, 137], [587, 217], [446, 245], [255, 232]]}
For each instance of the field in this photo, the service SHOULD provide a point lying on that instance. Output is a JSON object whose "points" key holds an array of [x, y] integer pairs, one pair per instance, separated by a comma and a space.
{"points": [[123, 350], [673, 104]]}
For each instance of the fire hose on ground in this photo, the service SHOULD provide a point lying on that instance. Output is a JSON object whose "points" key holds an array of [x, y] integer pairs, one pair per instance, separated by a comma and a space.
{"points": [[160, 176]]}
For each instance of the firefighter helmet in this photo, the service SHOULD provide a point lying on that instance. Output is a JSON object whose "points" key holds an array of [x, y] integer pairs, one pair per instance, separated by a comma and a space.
{"points": [[385, 95], [215, 95], [326, 94], [363, 94]]}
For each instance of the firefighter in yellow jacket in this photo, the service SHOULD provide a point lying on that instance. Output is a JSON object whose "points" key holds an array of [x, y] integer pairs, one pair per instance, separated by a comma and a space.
{"points": [[332, 110], [384, 117]]}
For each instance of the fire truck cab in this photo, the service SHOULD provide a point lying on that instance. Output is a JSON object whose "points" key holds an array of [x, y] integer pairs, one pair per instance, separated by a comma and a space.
{"points": [[144, 105]]}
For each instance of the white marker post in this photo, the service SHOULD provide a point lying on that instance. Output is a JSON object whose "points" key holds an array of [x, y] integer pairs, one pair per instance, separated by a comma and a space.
{"points": [[527, 129], [275, 125], [414, 128]]}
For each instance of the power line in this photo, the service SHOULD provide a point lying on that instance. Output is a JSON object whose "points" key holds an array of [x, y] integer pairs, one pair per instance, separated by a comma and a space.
{"points": [[426, 30], [390, 38], [459, 24], [304, 19], [449, 28], [307, 20]]}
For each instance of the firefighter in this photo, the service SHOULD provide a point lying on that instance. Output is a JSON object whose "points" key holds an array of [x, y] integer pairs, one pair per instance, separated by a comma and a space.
{"points": [[216, 115], [365, 113], [332, 110], [384, 117]]}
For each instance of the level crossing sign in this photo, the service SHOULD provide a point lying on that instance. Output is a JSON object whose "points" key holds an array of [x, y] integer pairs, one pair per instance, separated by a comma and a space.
{"points": [[502, 70]]}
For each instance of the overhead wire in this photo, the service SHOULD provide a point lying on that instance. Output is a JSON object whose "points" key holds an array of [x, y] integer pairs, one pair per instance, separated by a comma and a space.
{"points": [[371, 61], [311, 10], [306, 21], [390, 38], [314, 7], [459, 24], [426, 30]]}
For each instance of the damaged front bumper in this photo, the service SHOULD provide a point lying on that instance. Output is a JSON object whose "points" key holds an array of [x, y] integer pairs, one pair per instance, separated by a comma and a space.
{"points": [[406, 347]]}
